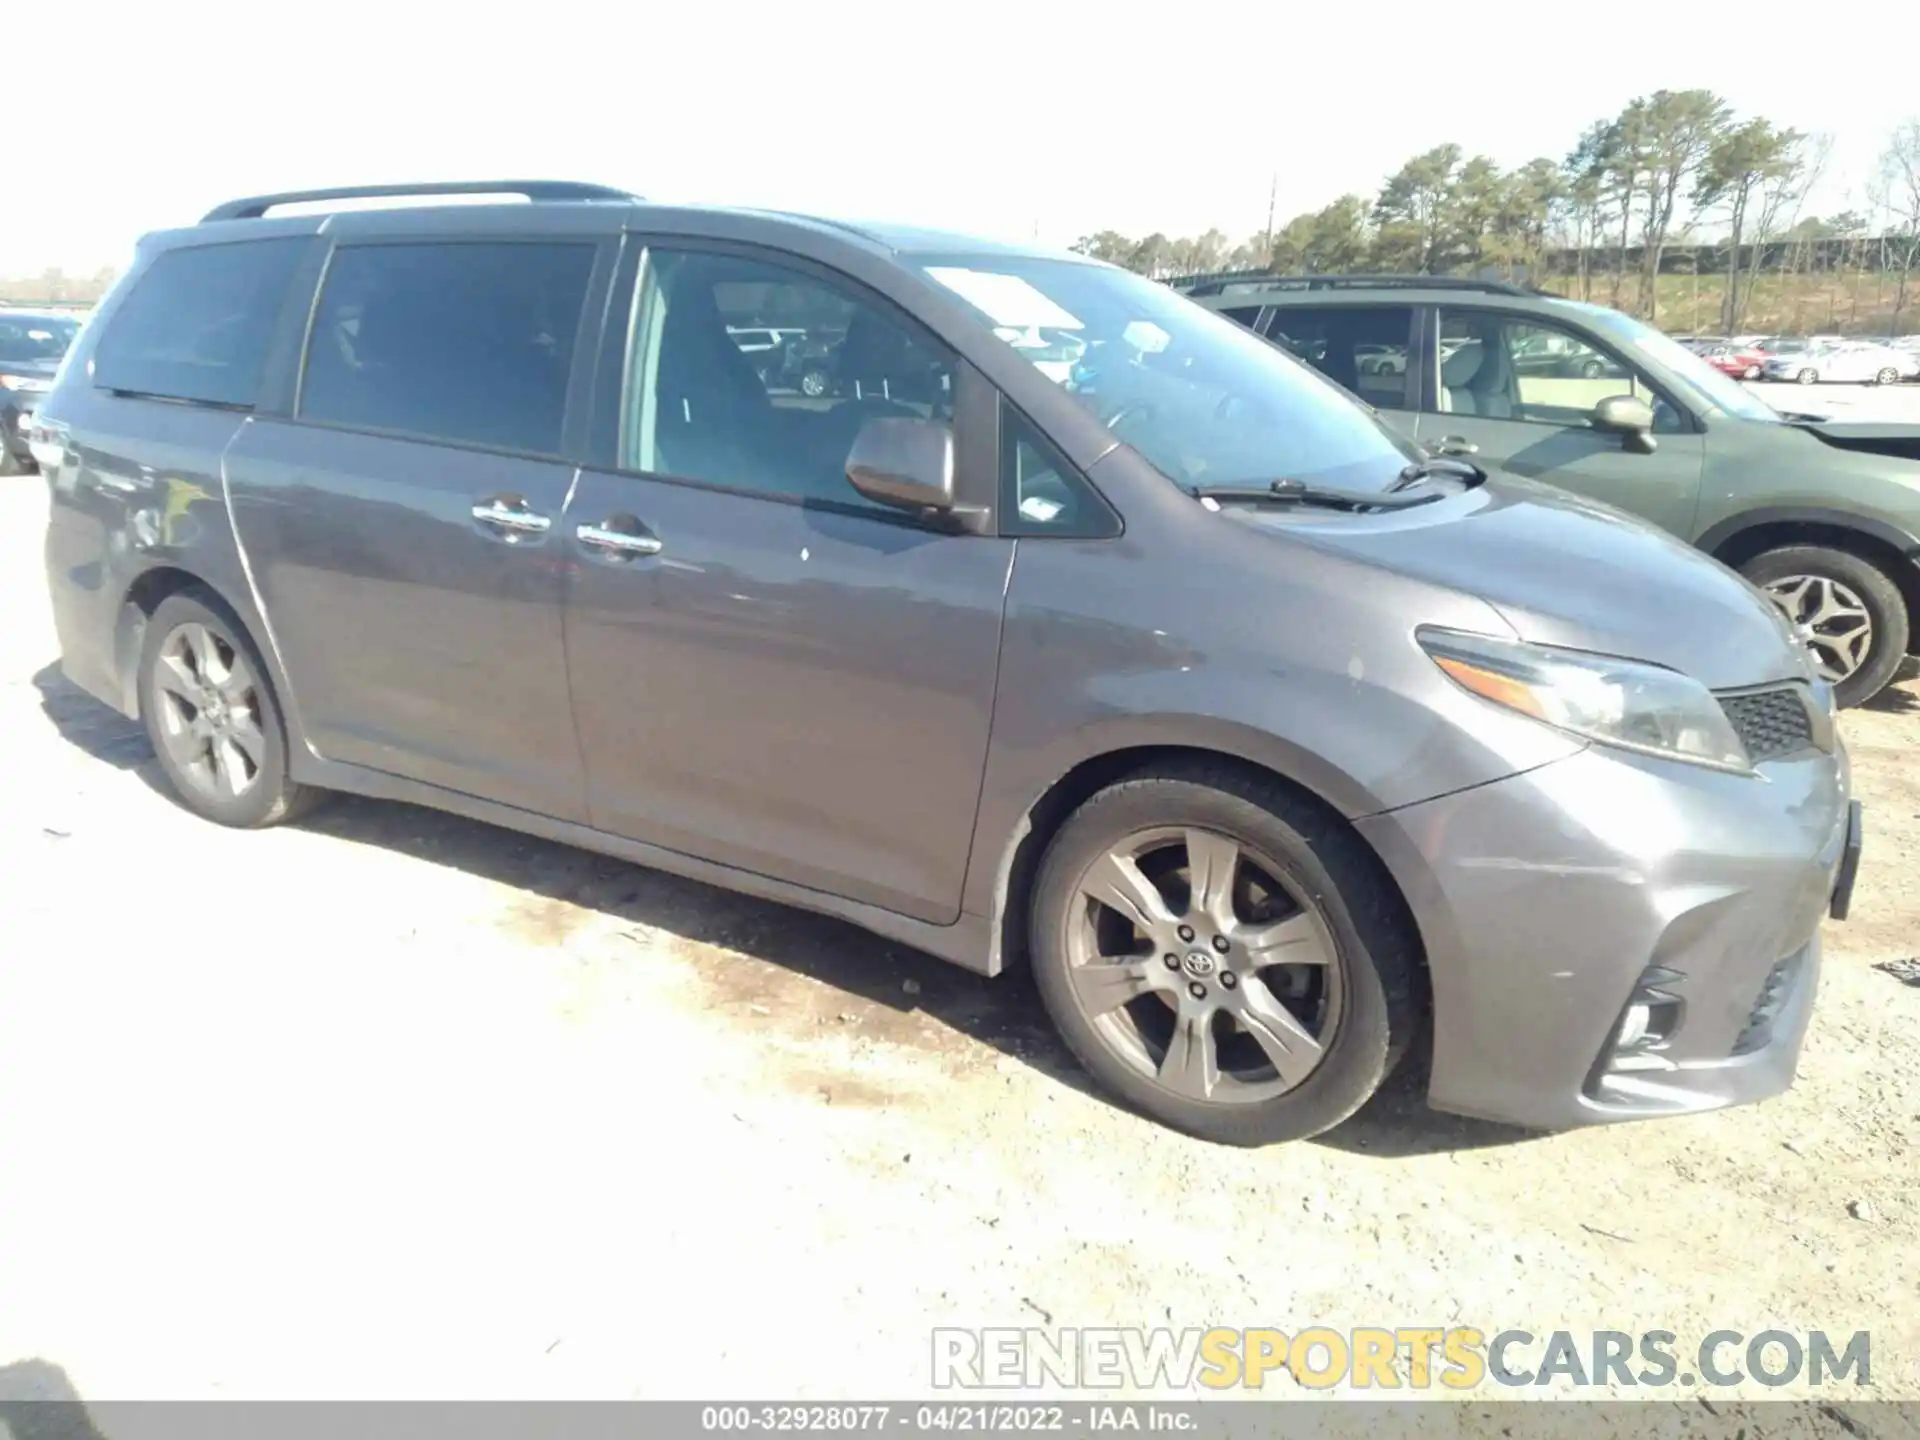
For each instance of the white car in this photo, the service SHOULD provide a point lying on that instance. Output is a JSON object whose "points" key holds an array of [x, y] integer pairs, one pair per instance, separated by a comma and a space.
{"points": [[1843, 361]]}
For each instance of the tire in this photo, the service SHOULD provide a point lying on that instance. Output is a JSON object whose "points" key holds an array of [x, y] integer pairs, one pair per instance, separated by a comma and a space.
{"points": [[1807, 377], [10, 463], [1592, 370], [1886, 376], [1369, 986], [1863, 584], [243, 709], [814, 384], [1753, 373]]}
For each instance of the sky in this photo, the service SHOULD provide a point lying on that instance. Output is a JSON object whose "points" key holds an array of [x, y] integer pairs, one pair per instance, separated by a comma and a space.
{"points": [[1024, 121]]}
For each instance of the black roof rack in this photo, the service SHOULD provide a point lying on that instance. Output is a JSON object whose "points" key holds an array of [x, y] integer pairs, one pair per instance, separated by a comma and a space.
{"points": [[254, 206], [1216, 283]]}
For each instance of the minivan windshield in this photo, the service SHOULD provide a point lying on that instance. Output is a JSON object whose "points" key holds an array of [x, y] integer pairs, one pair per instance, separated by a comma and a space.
{"points": [[1204, 400], [1702, 385]]}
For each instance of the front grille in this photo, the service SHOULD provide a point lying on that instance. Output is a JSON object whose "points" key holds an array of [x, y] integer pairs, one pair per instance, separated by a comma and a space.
{"points": [[1773, 994], [1771, 723]]}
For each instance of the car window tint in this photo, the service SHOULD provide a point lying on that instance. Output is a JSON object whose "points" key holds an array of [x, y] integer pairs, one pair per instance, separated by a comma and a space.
{"points": [[35, 339], [1040, 492], [198, 322], [463, 342], [1509, 367], [706, 403], [1363, 348]]}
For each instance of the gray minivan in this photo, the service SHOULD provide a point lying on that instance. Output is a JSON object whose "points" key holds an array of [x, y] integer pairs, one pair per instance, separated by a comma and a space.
{"points": [[1163, 667]]}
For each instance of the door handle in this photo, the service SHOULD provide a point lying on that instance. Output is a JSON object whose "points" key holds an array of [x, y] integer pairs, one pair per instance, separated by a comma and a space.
{"points": [[1455, 445], [511, 515], [618, 542]]}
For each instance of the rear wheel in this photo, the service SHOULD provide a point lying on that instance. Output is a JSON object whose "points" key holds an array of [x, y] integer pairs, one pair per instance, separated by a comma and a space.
{"points": [[213, 718], [1807, 377], [814, 383], [1223, 955], [1848, 612]]}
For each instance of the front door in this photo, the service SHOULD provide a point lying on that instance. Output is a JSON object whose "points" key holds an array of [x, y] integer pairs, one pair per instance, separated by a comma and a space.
{"points": [[770, 671], [404, 525], [1522, 391]]}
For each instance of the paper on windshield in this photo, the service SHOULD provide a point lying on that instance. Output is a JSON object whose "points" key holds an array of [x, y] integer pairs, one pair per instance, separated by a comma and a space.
{"points": [[1004, 299]]}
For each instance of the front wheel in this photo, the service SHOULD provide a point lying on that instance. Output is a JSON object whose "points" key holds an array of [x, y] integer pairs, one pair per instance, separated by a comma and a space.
{"points": [[1846, 610], [1886, 376], [814, 383], [1223, 956], [212, 716]]}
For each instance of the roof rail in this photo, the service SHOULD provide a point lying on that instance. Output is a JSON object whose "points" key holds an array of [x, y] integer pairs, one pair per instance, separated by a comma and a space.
{"points": [[253, 207], [1216, 283]]}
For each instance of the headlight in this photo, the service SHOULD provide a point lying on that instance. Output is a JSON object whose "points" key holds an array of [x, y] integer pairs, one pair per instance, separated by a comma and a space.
{"points": [[30, 386], [1635, 706]]}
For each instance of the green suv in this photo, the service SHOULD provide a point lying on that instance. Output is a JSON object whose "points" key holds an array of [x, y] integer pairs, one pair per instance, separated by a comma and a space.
{"points": [[1823, 516]]}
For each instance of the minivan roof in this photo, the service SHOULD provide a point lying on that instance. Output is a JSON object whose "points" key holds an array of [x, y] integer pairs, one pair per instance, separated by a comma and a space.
{"points": [[889, 237]]}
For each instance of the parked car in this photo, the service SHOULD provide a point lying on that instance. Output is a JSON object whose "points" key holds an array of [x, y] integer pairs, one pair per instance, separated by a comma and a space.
{"points": [[1262, 736], [811, 365], [1824, 516], [1844, 361], [31, 344], [763, 345], [1741, 364]]}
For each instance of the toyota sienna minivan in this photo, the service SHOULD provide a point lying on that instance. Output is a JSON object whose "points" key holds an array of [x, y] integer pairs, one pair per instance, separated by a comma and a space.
{"points": [[1264, 737]]}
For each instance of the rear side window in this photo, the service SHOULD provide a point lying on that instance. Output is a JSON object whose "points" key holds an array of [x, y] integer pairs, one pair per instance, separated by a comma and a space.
{"points": [[466, 342], [1364, 347], [198, 322]]}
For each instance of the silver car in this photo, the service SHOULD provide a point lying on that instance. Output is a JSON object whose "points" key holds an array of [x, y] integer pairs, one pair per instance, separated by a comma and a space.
{"points": [[1851, 362]]}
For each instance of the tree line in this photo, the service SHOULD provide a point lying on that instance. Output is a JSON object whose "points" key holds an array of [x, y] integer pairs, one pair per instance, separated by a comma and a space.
{"points": [[1633, 200]]}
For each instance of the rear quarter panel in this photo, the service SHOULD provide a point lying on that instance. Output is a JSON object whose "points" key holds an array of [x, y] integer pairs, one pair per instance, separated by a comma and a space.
{"points": [[139, 490]]}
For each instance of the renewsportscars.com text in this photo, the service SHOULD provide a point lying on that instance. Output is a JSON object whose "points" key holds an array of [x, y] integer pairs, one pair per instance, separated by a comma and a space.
{"points": [[1397, 1358]]}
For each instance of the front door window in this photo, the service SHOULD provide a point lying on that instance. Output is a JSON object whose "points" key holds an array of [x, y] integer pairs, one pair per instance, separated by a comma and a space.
{"points": [[1510, 367]]}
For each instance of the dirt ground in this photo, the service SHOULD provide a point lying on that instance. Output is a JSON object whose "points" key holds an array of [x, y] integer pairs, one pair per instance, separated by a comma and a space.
{"points": [[395, 1104]]}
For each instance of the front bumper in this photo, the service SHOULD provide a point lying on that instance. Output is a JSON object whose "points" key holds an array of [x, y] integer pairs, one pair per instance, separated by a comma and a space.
{"points": [[1550, 901]]}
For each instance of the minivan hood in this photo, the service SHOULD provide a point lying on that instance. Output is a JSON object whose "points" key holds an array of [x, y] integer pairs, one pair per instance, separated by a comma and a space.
{"points": [[1563, 570]]}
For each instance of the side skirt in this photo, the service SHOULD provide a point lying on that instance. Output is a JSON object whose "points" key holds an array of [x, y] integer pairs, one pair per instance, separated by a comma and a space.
{"points": [[965, 943]]}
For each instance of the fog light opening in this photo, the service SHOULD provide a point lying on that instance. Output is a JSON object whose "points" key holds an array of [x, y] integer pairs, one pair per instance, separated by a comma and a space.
{"points": [[1648, 1022]]}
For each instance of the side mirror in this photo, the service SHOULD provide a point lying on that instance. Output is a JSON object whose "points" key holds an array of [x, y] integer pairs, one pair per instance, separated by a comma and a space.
{"points": [[1629, 417], [906, 463]]}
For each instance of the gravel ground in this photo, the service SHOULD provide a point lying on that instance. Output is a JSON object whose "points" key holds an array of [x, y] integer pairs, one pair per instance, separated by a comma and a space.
{"points": [[395, 1104]]}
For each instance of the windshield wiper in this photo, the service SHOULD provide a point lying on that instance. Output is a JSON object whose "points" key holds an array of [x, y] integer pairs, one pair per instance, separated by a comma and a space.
{"points": [[1298, 492]]}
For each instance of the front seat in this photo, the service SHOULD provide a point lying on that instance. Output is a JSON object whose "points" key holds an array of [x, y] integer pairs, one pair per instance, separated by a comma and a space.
{"points": [[712, 413], [1457, 374], [1492, 385]]}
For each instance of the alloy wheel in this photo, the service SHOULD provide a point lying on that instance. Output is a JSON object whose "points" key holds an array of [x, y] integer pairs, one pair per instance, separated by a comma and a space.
{"points": [[1830, 618], [1202, 968], [1886, 376], [813, 384], [208, 705]]}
